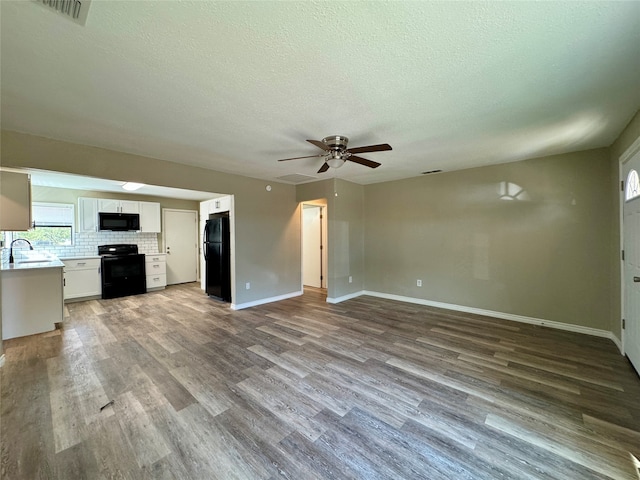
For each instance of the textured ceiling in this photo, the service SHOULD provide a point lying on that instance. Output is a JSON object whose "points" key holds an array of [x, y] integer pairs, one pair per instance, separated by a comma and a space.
{"points": [[234, 86]]}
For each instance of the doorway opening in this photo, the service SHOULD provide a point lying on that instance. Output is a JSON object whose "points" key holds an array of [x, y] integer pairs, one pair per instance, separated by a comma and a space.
{"points": [[314, 245]]}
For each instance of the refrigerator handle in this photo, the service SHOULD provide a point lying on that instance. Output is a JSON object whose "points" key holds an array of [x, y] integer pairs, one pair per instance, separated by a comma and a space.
{"points": [[205, 239]]}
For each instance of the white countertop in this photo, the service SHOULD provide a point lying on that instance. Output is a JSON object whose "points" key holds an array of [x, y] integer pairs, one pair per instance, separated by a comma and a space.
{"points": [[32, 260]]}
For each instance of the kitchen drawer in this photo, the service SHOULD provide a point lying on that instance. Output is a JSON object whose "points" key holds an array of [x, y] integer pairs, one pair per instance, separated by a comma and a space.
{"points": [[81, 263], [156, 268], [156, 257], [156, 281]]}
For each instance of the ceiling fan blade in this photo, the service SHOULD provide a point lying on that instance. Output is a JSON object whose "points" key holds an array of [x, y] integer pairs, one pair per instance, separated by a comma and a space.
{"points": [[296, 158], [364, 161], [318, 144], [324, 167], [370, 148]]}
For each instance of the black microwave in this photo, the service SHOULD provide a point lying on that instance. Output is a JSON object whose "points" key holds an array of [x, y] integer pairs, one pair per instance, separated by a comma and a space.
{"points": [[119, 222]]}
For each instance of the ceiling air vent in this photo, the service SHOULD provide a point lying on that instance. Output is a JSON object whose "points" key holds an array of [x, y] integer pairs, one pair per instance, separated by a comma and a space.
{"points": [[431, 171], [74, 10], [297, 178]]}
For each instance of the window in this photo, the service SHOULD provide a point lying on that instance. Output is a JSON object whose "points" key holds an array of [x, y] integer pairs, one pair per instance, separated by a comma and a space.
{"points": [[53, 225], [633, 186]]}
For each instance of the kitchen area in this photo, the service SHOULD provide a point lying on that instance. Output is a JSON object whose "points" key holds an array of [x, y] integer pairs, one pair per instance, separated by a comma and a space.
{"points": [[100, 245]]}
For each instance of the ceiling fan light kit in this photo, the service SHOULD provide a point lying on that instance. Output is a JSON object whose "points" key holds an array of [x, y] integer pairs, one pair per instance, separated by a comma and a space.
{"points": [[336, 152], [335, 159]]}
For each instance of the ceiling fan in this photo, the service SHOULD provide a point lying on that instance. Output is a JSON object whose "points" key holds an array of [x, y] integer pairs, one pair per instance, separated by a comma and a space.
{"points": [[335, 152]]}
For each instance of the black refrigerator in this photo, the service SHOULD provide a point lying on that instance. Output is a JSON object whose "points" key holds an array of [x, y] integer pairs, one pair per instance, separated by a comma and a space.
{"points": [[217, 256]]}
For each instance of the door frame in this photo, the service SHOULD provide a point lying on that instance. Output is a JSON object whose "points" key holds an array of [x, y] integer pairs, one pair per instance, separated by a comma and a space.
{"points": [[628, 154], [197, 232], [325, 247]]}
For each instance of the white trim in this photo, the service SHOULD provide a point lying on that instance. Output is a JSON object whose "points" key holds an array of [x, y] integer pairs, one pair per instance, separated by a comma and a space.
{"points": [[163, 236], [1, 360], [621, 246], [596, 332], [490, 313], [627, 155], [324, 254], [346, 297], [631, 151], [617, 341], [262, 301]]}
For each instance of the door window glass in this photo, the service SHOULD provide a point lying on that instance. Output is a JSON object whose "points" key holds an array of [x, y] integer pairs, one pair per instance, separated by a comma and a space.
{"points": [[633, 186]]}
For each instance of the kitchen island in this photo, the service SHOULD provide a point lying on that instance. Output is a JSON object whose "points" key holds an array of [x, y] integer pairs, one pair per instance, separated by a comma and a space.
{"points": [[32, 296]]}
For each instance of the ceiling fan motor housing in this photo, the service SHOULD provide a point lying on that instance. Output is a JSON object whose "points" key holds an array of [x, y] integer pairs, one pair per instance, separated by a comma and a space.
{"points": [[336, 142]]}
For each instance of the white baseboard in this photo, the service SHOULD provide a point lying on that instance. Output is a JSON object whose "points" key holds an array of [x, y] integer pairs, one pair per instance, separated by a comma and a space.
{"points": [[617, 341], [345, 297], [505, 316], [262, 301], [450, 306]]}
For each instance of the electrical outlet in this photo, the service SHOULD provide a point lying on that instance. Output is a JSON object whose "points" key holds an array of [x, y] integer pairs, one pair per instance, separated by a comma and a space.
{"points": [[247, 286], [419, 283], [350, 279]]}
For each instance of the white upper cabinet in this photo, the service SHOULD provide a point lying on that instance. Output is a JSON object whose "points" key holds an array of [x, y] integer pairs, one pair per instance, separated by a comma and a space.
{"points": [[108, 205], [150, 217], [15, 201], [88, 209], [216, 205], [128, 206], [87, 214]]}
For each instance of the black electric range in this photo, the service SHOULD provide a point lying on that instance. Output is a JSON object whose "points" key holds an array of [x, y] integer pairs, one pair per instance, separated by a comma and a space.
{"points": [[123, 270]]}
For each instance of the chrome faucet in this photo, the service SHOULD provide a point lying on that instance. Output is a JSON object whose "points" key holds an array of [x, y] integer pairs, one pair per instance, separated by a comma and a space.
{"points": [[11, 247]]}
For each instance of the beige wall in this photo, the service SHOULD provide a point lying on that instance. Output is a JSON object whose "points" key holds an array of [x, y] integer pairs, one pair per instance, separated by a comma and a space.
{"points": [[544, 254], [628, 136], [267, 224]]}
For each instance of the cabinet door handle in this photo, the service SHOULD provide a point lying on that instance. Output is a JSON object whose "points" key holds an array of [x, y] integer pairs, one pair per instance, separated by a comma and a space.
{"points": [[156, 266], [157, 278], [81, 263]]}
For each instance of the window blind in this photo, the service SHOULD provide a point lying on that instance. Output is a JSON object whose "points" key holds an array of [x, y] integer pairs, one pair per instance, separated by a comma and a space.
{"points": [[52, 214]]}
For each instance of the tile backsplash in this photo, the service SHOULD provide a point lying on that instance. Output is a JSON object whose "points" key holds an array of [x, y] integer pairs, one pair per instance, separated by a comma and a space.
{"points": [[86, 244]]}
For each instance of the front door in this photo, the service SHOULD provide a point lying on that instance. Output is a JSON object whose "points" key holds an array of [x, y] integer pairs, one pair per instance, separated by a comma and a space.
{"points": [[180, 229], [631, 227]]}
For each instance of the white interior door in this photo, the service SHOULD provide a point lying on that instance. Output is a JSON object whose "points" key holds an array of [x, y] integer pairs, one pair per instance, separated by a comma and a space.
{"points": [[631, 227], [311, 246], [180, 234]]}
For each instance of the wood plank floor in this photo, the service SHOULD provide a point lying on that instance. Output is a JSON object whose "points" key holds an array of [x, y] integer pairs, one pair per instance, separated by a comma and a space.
{"points": [[301, 389]]}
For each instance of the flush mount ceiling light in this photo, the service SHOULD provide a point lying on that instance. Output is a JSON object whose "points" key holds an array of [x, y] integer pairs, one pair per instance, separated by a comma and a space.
{"points": [[336, 159], [131, 186]]}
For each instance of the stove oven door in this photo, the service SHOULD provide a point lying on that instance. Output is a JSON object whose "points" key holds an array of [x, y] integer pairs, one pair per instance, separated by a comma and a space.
{"points": [[123, 275]]}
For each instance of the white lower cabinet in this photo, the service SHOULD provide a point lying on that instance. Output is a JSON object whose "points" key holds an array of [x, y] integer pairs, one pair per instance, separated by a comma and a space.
{"points": [[31, 301], [156, 271], [82, 278]]}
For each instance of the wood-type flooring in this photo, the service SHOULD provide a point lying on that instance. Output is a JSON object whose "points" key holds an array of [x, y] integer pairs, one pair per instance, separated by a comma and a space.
{"points": [[301, 389]]}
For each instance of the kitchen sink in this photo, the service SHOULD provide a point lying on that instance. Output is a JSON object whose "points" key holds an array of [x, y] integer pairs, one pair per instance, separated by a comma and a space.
{"points": [[33, 260]]}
